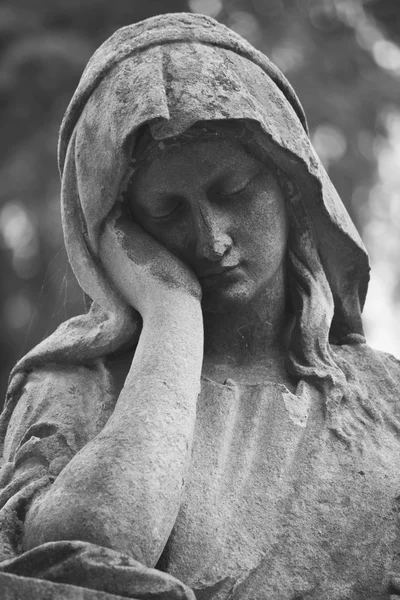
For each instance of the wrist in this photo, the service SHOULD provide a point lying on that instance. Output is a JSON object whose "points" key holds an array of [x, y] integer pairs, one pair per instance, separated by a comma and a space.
{"points": [[173, 335], [171, 305]]}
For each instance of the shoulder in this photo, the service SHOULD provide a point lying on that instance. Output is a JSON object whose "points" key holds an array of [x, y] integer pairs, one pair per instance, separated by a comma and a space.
{"points": [[74, 399], [369, 363], [60, 381], [374, 377]]}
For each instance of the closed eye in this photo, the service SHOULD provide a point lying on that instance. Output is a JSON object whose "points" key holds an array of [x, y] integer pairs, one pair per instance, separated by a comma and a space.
{"points": [[239, 188], [167, 208]]}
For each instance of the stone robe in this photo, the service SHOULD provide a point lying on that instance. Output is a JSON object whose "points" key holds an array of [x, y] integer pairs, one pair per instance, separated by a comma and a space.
{"points": [[275, 505]]}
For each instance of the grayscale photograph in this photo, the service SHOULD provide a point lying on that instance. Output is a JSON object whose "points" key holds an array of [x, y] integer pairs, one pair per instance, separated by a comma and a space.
{"points": [[200, 300]]}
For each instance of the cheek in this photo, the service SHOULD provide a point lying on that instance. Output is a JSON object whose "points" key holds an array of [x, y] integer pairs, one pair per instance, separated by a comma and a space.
{"points": [[263, 233], [176, 238]]}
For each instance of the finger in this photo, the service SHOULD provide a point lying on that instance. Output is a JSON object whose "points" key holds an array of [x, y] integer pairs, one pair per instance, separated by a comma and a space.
{"points": [[137, 244], [119, 265]]}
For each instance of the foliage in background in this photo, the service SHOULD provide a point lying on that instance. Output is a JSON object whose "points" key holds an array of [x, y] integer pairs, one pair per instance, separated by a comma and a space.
{"points": [[341, 56]]}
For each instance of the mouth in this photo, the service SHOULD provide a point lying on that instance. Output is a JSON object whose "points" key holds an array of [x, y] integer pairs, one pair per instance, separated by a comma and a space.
{"points": [[217, 272]]}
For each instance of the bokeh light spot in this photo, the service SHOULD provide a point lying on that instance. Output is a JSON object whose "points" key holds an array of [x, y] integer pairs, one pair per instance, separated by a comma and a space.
{"points": [[245, 24], [329, 142], [15, 226], [382, 239], [19, 234], [18, 311], [206, 7], [288, 56], [387, 55]]}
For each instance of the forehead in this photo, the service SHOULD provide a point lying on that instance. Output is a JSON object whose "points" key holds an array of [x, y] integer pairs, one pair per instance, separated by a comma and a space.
{"points": [[203, 159]]}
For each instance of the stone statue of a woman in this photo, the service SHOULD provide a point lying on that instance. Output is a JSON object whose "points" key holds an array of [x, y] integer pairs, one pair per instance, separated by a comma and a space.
{"points": [[216, 425]]}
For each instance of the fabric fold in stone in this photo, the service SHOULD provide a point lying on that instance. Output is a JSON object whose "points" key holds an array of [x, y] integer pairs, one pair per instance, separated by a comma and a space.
{"points": [[94, 567]]}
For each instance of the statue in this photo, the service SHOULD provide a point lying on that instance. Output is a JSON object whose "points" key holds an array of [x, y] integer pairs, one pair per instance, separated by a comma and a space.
{"points": [[215, 427]]}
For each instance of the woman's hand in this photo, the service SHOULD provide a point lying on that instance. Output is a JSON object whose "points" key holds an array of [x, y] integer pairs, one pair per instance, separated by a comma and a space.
{"points": [[145, 272]]}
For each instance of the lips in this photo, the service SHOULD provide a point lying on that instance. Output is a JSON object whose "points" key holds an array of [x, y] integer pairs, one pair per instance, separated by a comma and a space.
{"points": [[216, 271]]}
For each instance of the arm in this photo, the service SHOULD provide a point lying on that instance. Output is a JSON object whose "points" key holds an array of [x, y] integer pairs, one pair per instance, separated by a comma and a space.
{"points": [[123, 489]]}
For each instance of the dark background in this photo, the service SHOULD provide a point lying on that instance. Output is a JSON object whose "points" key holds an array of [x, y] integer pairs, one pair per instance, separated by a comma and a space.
{"points": [[342, 58]]}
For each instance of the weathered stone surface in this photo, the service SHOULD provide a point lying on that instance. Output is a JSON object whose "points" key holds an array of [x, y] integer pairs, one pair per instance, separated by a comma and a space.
{"points": [[13, 587], [238, 439]]}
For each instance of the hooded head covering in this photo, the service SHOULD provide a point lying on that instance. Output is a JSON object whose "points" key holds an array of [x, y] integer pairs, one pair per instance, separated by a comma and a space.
{"points": [[170, 72]]}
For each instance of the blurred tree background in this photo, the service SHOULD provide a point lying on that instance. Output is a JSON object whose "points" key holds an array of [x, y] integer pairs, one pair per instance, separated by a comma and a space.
{"points": [[343, 58]]}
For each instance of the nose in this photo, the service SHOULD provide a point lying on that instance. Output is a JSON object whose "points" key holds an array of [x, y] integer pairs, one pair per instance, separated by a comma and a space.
{"points": [[212, 238]]}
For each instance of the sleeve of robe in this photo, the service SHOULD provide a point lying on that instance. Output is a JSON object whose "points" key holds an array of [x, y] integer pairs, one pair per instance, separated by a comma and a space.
{"points": [[60, 409]]}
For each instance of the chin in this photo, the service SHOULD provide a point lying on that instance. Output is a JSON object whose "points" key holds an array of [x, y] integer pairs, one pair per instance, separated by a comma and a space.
{"points": [[226, 299]]}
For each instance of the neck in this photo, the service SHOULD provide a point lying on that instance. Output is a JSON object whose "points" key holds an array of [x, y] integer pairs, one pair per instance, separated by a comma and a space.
{"points": [[250, 333]]}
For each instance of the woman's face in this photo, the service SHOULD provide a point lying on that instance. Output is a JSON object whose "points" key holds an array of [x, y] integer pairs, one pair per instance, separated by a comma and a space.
{"points": [[221, 211]]}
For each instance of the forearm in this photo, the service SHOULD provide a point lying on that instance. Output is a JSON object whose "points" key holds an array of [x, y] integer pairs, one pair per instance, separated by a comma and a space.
{"points": [[123, 489]]}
